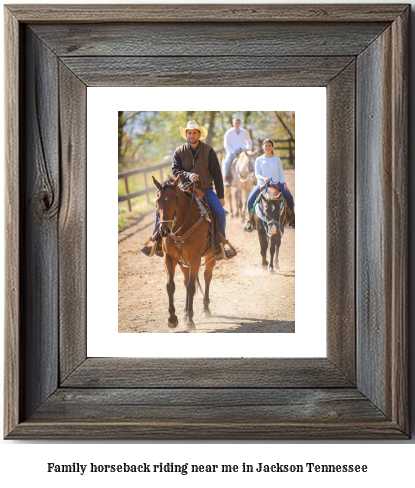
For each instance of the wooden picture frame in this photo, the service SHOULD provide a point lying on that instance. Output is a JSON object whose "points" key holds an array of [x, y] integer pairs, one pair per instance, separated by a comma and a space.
{"points": [[359, 391]]}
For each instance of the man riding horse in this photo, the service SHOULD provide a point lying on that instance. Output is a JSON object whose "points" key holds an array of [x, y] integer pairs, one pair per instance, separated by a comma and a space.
{"points": [[197, 162], [235, 140]]}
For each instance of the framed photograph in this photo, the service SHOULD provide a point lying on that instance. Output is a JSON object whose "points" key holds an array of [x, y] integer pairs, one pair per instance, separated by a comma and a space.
{"points": [[246, 297], [358, 389]]}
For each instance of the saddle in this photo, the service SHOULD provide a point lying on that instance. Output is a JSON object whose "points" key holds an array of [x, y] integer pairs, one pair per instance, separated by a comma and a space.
{"points": [[215, 240], [205, 211], [270, 185]]}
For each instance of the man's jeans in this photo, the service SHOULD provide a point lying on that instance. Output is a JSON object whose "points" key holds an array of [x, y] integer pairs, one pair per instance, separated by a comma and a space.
{"points": [[226, 164]]}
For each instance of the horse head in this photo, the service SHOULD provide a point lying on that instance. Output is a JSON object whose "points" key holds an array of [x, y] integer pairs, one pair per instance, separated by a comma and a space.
{"points": [[167, 203], [271, 208]]}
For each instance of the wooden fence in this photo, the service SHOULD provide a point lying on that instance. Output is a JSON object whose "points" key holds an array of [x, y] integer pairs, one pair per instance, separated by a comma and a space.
{"points": [[147, 188], [284, 149], [280, 145]]}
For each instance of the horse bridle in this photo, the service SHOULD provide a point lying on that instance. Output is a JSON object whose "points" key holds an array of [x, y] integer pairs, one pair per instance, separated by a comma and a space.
{"points": [[176, 201], [272, 221]]}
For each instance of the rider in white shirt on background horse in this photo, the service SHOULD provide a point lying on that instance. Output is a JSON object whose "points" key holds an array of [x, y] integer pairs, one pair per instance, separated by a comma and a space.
{"points": [[236, 139], [268, 169]]}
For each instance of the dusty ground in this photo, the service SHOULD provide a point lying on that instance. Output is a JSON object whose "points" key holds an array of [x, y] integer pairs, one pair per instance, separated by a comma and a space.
{"points": [[244, 296]]}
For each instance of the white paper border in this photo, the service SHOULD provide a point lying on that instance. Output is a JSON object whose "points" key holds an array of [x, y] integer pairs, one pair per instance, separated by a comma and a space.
{"points": [[103, 339]]}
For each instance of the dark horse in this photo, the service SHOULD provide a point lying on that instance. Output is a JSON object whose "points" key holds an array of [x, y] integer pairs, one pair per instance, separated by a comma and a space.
{"points": [[185, 237], [271, 218]]}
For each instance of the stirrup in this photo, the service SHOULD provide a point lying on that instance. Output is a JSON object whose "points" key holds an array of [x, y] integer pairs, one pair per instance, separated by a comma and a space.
{"points": [[229, 254], [248, 227], [144, 249]]}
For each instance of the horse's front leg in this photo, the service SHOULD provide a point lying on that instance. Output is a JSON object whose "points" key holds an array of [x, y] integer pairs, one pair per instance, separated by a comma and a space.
{"points": [[244, 209], [208, 278], [241, 206], [229, 198], [274, 245], [186, 275], [263, 242], [238, 201], [170, 266], [191, 290]]}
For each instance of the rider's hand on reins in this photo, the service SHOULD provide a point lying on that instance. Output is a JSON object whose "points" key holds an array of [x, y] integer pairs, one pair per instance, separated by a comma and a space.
{"points": [[194, 177]]}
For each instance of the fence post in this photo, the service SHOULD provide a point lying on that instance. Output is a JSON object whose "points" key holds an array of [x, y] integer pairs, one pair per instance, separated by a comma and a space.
{"points": [[127, 192], [291, 153], [146, 186]]}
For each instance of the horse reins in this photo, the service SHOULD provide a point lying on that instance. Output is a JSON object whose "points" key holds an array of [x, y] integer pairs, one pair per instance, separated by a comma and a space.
{"points": [[179, 240], [283, 210], [188, 213], [176, 201]]}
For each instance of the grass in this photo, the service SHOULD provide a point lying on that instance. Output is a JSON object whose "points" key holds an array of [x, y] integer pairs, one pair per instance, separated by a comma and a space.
{"points": [[139, 205], [138, 209]]}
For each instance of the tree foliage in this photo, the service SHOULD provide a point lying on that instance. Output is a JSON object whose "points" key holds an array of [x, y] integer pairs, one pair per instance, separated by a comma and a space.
{"points": [[148, 138]]}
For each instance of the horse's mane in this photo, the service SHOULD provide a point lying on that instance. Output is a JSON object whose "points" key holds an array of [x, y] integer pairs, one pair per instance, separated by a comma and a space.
{"points": [[167, 182], [272, 193]]}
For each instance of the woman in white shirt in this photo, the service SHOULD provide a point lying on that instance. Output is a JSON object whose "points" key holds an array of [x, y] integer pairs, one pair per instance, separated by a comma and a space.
{"points": [[268, 168]]}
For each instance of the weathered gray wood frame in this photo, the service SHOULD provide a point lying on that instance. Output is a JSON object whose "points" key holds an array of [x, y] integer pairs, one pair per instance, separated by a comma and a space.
{"points": [[359, 52]]}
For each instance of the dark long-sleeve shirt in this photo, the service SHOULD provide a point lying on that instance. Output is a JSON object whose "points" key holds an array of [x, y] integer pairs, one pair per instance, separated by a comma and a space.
{"points": [[214, 168]]}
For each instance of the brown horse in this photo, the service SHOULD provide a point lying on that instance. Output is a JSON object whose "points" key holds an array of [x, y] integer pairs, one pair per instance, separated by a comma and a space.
{"points": [[243, 178], [185, 237]]}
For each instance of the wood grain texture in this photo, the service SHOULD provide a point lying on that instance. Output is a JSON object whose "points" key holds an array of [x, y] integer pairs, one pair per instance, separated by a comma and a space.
{"points": [[373, 222], [12, 383], [165, 430], [341, 235], [206, 13], [207, 71], [206, 373], [179, 39], [382, 223], [213, 405], [72, 222], [400, 232], [199, 398], [40, 204]]}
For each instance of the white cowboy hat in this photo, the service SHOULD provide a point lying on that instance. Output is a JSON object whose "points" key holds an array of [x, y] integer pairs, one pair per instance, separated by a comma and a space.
{"points": [[192, 124]]}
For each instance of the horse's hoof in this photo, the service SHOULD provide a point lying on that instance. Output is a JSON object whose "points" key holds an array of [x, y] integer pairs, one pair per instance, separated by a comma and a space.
{"points": [[264, 263], [231, 215], [206, 314], [190, 325], [173, 323], [271, 270]]}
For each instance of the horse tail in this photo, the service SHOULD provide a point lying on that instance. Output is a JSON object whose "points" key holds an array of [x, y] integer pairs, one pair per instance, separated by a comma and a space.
{"points": [[199, 285]]}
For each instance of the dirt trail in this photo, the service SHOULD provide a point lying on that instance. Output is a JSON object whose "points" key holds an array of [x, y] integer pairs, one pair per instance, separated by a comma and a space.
{"points": [[244, 297]]}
